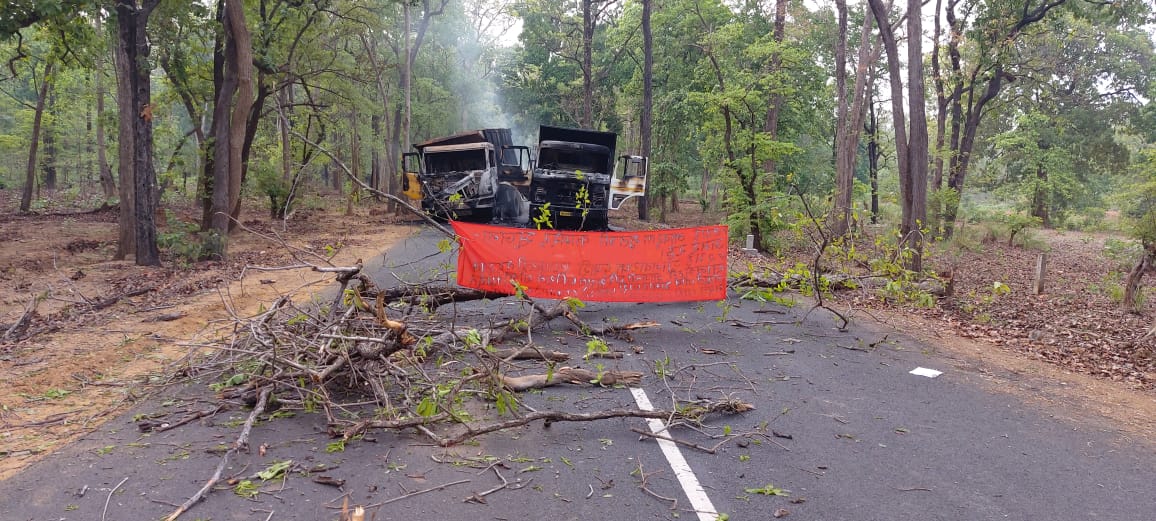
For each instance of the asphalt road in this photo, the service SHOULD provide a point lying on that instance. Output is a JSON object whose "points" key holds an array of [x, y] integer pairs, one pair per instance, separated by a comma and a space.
{"points": [[842, 430]]}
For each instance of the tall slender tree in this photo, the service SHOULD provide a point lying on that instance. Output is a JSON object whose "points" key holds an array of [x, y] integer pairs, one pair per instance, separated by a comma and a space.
{"points": [[137, 109], [644, 118]]}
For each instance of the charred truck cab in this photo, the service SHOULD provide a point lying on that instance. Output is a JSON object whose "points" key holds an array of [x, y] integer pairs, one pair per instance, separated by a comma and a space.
{"points": [[466, 176], [573, 185]]}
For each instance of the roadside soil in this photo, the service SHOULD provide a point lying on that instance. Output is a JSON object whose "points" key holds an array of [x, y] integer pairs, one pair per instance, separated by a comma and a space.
{"points": [[102, 332]]}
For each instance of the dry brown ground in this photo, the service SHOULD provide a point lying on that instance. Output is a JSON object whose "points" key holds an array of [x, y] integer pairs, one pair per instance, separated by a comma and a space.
{"points": [[82, 366]]}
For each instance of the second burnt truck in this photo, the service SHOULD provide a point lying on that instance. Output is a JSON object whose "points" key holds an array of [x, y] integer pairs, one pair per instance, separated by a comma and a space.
{"points": [[571, 184]]}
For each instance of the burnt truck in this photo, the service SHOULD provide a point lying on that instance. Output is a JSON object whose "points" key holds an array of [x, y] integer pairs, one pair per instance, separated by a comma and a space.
{"points": [[464, 176], [482, 176], [574, 184]]}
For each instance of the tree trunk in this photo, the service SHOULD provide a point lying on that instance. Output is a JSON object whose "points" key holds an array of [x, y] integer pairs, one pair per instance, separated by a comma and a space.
{"points": [[354, 161], [775, 106], [848, 128], [916, 210], [215, 148], [402, 115], [230, 121], [872, 129], [994, 74], [285, 101], [1040, 196], [49, 137], [239, 124], [376, 166], [407, 85], [908, 170], [588, 22], [126, 243], [34, 144], [106, 182], [1132, 289], [132, 18], [840, 73], [644, 119]]}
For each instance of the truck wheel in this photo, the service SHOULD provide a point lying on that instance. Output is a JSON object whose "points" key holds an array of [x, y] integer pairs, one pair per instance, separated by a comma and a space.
{"points": [[596, 221]]}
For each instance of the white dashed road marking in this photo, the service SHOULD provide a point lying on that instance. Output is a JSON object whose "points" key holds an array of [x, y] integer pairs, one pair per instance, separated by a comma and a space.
{"points": [[690, 485]]}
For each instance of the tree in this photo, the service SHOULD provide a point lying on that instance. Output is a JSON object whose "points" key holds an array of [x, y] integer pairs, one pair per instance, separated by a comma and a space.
{"points": [[995, 28], [911, 138], [136, 113], [849, 118], [644, 118], [107, 184], [34, 142]]}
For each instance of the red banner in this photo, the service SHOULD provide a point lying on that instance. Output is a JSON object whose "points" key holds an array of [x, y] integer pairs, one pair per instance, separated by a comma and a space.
{"points": [[678, 265]]}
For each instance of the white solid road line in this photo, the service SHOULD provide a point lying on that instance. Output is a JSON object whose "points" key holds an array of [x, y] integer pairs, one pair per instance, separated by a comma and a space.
{"points": [[690, 485]]}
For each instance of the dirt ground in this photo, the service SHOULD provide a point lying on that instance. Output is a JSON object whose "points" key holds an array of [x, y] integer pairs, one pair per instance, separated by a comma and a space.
{"points": [[93, 345], [102, 331]]}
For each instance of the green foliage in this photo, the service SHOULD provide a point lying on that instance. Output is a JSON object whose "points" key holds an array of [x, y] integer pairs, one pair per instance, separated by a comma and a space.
{"points": [[544, 218], [275, 470], [768, 490], [246, 489], [1017, 223], [596, 346], [278, 190]]}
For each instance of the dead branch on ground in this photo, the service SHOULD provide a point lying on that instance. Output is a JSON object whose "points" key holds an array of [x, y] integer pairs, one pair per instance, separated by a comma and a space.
{"points": [[412, 362]]}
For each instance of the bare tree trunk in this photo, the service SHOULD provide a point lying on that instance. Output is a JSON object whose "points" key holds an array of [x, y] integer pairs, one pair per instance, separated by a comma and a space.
{"points": [[239, 120], [402, 113], [37, 119], [223, 135], [916, 210], [587, 63], [48, 135], [216, 145], [1132, 289], [872, 129], [647, 101], [898, 112], [231, 120], [407, 85], [1040, 196], [132, 18], [994, 75], [106, 182], [126, 243], [848, 125], [354, 161], [940, 104], [285, 100]]}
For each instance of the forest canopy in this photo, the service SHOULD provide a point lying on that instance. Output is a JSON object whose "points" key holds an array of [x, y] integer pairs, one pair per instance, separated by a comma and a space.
{"points": [[773, 112]]}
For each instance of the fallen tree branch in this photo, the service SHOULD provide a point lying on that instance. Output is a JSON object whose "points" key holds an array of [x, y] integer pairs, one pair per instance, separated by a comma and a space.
{"points": [[573, 375], [548, 417], [530, 353], [684, 443], [241, 442]]}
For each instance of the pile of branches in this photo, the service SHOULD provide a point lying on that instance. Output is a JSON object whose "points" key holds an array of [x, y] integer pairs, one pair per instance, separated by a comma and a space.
{"points": [[386, 359]]}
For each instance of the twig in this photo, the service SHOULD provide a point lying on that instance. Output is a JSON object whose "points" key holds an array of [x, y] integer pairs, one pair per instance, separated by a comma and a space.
{"points": [[504, 484], [418, 493], [190, 418], [24, 319], [707, 450], [643, 477], [107, 500], [548, 417], [242, 441]]}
